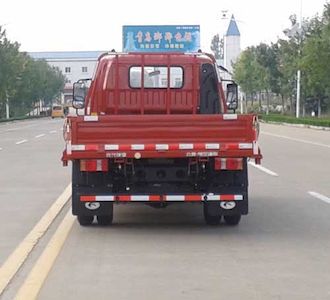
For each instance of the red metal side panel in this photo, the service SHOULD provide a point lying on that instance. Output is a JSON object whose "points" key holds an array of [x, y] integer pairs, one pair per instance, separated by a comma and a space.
{"points": [[214, 135], [127, 129]]}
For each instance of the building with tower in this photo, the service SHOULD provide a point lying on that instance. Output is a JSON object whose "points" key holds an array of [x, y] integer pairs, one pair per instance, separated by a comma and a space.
{"points": [[232, 44]]}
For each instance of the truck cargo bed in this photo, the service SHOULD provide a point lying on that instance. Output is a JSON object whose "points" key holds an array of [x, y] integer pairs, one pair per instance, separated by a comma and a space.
{"points": [[161, 135]]}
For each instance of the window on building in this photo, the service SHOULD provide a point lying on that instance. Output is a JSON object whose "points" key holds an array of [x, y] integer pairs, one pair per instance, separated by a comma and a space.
{"points": [[155, 77], [84, 69], [67, 70]]}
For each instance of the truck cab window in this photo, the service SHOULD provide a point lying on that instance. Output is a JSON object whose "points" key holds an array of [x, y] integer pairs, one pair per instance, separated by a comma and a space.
{"points": [[135, 77], [176, 75], [156, 77]]}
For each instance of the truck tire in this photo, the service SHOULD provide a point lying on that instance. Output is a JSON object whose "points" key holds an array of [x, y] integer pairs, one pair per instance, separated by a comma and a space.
{"points": [[106, 219], [212, 215], [232, 220], [212, 220], [85, 220]]}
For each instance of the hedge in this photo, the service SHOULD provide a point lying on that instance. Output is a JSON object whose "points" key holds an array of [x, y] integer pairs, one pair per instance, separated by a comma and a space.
{"points": [[324, 121]]}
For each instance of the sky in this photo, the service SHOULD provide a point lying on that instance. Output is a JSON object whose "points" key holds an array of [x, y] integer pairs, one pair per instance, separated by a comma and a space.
{"points": [[71, 25]]}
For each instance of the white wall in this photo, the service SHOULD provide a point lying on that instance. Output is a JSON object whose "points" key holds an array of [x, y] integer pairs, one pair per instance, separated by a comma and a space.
{"points": [[76, 68], [232, 49]]}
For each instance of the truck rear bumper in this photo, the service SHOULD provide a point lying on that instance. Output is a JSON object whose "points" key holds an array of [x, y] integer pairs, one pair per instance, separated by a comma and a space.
{"points": [[160, 198], [230, 204]]}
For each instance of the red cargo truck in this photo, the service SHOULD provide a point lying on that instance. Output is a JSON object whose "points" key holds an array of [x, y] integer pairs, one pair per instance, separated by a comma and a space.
{"points": [[156, 130]]}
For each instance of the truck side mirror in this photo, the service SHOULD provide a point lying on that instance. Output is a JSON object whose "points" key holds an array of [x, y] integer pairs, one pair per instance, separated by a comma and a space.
{"points": [[232, 96], [80, 89]]}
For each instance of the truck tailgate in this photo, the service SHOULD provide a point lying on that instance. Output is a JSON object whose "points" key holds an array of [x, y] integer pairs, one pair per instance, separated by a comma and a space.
{"points": [[227, 135]]}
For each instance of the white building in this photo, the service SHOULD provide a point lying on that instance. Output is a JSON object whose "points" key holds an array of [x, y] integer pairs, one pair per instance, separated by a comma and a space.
{"points": [[232, 45], [74, 65]]}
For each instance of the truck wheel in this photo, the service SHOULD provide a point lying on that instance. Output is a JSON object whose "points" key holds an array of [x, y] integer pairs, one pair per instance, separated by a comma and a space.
{"points": [[104, 220], [232, 220], [85, 220], [212, 220], [212, 214]]}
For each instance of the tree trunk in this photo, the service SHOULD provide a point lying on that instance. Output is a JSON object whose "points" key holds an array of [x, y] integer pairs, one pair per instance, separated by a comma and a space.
{"points": [[319, 108], [283, 104], [246, 105], [267, 109], [303, 110], [291, 105], [243, 96], [252, 101]]}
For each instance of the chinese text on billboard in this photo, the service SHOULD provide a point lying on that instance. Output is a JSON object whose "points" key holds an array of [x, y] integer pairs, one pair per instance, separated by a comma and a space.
{"points": [[161, 38]]}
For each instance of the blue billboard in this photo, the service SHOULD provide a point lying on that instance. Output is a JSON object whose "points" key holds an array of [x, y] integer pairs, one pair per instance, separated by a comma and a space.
{"points": [[169, 38]]}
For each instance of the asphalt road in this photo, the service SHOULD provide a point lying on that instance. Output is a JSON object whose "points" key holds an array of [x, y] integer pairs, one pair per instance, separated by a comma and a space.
{"points": [[281, 250], [31, 176]]}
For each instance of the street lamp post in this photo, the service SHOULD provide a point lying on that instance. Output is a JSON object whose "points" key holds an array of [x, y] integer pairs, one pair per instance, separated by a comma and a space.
{"points": [[299, 72], [298, 94], [7, 106], [296, 30]]}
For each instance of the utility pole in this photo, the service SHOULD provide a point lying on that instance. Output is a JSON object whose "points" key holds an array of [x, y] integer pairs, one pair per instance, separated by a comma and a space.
{"points": [[299, 72], [298, 93], [7, 106]]}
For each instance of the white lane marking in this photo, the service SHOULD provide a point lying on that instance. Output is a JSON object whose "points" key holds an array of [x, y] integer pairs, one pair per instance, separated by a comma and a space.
{"points": [[39, 136], [263, 169], [0, 149], [53, 131], [21, 142], [320, 196], [296, 140], [18, 128]]}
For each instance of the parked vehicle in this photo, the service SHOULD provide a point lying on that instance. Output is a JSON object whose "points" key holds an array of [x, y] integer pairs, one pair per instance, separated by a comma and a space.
{"points": [[156, 130], [57, 111]]}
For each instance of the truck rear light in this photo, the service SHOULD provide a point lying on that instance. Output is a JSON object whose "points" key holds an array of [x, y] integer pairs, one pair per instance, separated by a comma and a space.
{"points": [[90, 147], [94, 165], [230, 164]]}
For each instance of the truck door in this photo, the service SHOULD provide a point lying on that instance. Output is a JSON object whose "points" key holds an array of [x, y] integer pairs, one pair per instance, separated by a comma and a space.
{"points": [[209, 97]]}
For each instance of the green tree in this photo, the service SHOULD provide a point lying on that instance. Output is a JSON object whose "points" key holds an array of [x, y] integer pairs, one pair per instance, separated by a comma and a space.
{"points": [[11, 67], [249, 74], [273, 68], [24, 81], [287, 61], [316, 55]]}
